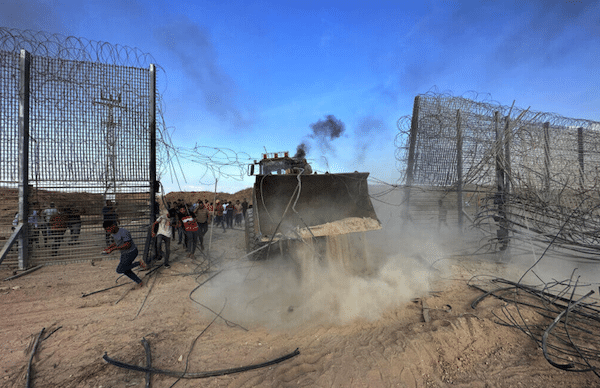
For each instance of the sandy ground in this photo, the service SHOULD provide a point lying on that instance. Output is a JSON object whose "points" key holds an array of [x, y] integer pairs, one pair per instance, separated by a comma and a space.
{"points": [[364, 330]]}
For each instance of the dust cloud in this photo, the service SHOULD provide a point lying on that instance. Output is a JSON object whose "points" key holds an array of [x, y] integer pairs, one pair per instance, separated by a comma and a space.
{"points": [[331, 280], [336, 280]]}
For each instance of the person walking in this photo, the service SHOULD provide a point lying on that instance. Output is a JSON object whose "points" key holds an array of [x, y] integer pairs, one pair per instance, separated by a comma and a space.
{"points": [[164, 233], [33, 221], [74, 223], [211, 210], [229, 215], [219, 210], [58, 227], [244, 208], [237, 213], [192, 232], [202, 220], [47, 214], [124, 243], [180, 230]]}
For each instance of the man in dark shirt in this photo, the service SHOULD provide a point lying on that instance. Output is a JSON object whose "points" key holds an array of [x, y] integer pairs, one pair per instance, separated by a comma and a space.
{"points": [[244, 208], [124, 243]]}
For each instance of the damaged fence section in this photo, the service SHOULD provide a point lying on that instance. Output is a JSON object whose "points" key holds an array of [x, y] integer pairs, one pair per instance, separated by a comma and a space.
{"points": [[556, 316], [528, 175]]}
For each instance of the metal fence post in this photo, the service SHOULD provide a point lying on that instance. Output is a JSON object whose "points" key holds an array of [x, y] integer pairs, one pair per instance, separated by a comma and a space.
{"points": [[152, 119], [502, 232], [507, 163], [25, 70], [414, 126], [459, 169], [547, 157], [580, 154], [152, 167]]}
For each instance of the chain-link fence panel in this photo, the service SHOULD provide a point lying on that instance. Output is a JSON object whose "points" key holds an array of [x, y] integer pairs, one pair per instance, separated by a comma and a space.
{"points": [[532, 173], [89, 145]]}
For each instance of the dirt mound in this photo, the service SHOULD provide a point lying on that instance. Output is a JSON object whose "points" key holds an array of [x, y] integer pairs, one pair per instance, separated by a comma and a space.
{"points": [[207, 313]]}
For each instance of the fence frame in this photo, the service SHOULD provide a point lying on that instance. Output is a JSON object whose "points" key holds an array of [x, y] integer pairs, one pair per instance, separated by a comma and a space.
{"points": [[20, 235]]}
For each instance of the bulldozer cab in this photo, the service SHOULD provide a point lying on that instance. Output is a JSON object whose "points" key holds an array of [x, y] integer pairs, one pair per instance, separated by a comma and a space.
{"points": [[289, 201], [279, 163]]}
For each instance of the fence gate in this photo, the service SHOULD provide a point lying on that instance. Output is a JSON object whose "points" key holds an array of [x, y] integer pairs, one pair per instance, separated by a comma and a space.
{"points": [[77, 139]]}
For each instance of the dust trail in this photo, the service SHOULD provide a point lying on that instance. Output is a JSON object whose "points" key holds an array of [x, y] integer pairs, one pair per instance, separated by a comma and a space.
{"points": [[332, 280]]}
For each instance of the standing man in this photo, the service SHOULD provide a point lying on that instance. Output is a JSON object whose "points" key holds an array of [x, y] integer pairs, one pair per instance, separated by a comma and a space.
{"points": [[58, 227], [47, 214], [164, 233], [210, 208], [192, 232], [74, 218], [237, 213], [33, 226], [124, 243], [244, 208], [182, 211], [229, 215], [219, 209], [202, 220]]}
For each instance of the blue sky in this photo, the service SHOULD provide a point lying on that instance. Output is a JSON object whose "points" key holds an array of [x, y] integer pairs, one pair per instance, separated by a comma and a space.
{"points": [[246, 76]]}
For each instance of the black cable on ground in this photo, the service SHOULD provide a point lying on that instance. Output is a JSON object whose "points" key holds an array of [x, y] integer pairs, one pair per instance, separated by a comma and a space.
{"points": [[102, 290], [200, 375], [35, 346], [148, 360], [52, 332], [570, 346], [26, 272], [549, 329]]}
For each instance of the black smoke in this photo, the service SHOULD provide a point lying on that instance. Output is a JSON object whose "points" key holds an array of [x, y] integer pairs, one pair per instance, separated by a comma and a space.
{"points": [[323, 132], [301, 151], [328, 129]]}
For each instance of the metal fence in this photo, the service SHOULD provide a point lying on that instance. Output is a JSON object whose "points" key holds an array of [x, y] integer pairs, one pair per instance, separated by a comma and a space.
{"points": [[530, 173], [77, 137]]}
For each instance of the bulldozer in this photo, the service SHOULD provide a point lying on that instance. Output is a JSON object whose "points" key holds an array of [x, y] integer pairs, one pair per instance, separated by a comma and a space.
{"points": [[291, 203]]}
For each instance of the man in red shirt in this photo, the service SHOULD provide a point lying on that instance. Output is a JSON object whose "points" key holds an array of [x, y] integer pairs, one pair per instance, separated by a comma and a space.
{"points": [[219, 209]]}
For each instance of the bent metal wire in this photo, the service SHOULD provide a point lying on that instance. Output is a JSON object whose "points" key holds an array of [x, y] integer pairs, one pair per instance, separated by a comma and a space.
{"points": [[530, 175]]}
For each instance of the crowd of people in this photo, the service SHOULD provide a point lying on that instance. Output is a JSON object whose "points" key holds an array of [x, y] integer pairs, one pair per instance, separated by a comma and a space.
{"points": [[189, 222], [51, 224]]}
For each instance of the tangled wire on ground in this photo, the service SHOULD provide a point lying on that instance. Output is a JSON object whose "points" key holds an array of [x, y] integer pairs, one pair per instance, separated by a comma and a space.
{"points": [[563, 323]]}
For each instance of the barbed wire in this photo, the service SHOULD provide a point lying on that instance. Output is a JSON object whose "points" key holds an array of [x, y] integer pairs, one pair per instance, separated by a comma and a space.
{"points": [[536, 174], [76, 53], [46, 44], [436, 138]]}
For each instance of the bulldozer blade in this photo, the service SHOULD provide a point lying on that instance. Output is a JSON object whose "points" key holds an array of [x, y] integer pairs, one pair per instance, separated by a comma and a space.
{"points": [[313, 205]]}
